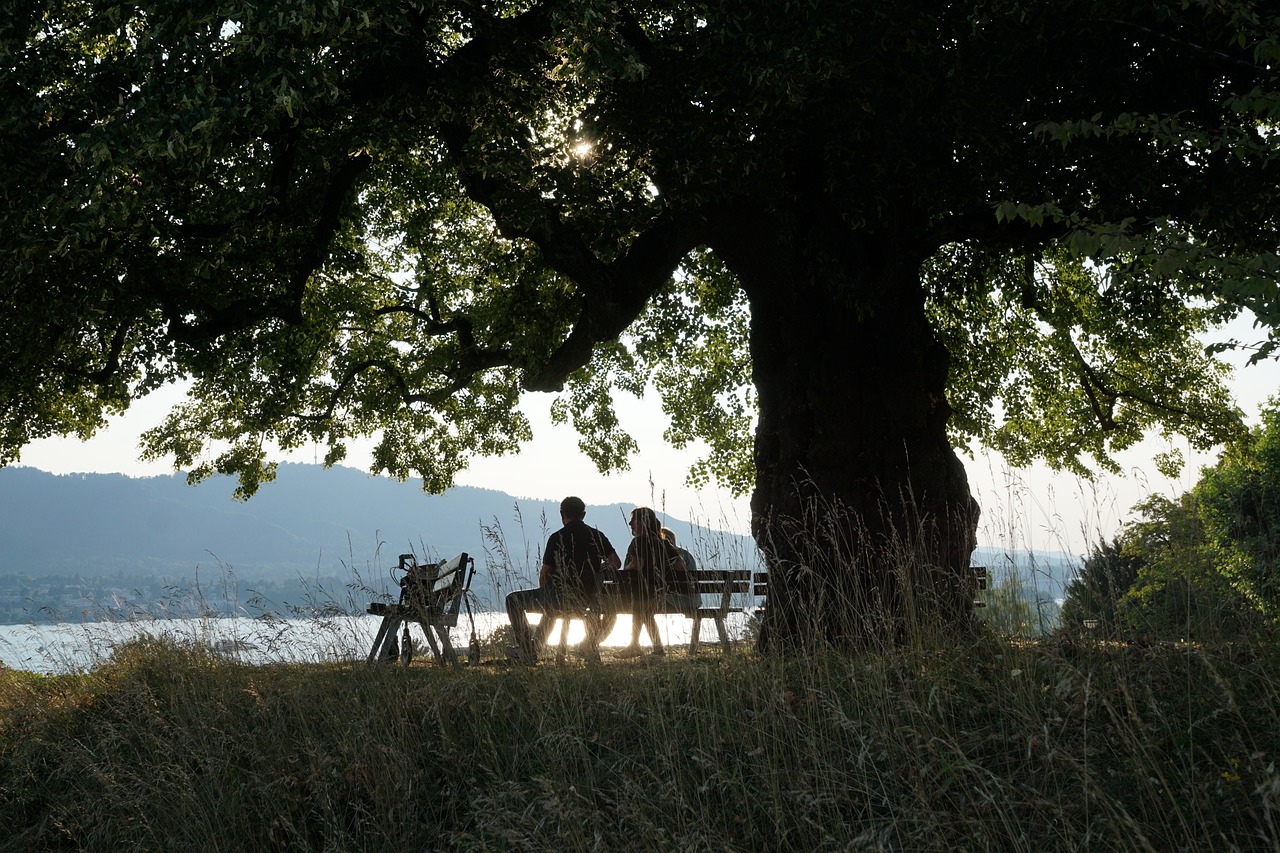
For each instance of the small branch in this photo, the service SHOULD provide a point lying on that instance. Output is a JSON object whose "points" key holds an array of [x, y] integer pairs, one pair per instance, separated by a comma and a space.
{"points": [[458, 378], [1193, 46], [982, 225], [1092, 382], [104, 374], [1088, 379]]}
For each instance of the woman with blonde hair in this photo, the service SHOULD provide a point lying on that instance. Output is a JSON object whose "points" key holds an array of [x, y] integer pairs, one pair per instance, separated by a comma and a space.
{"points": [[650, 560]]}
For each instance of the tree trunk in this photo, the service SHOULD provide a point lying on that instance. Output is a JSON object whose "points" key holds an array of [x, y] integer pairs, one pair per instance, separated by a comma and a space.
{"points": [[861, 506]]}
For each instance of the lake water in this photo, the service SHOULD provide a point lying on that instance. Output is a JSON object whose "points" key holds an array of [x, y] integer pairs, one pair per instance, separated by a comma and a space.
{"points": [[76, 647]]}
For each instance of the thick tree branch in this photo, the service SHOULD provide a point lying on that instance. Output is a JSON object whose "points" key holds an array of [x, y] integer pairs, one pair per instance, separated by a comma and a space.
{"points": [[473, 354], [458, 379], [610, 294], [336, 199], [115, 349], [612, 303]]}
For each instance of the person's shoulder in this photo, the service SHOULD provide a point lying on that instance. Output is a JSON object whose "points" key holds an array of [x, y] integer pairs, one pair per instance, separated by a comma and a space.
{"points": [[580, 528], [597, 533], [573, 526]]}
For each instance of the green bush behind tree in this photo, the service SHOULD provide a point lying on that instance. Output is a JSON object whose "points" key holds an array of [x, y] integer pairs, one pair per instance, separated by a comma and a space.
{"points": [[1202, 565]]}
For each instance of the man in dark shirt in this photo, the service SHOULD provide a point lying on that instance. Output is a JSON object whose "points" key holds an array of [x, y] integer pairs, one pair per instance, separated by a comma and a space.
{"points": [[568, 583]]}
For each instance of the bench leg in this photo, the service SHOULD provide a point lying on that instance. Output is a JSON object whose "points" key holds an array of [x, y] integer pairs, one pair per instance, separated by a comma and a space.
{"points": [[723, 630], [441, 648], [385, 636], [693, 638], [450, 656], [446, 647], [565, 622], [431, 641]]}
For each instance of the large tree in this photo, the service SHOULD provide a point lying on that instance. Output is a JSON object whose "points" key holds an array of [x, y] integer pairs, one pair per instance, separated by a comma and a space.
{"points": [[875, 230]]}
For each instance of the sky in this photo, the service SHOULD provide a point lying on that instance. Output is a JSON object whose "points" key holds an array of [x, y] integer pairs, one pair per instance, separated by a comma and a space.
{"points": [[1024, 510]]}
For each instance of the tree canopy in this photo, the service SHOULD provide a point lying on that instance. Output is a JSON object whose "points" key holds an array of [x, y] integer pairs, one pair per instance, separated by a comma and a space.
{"points": [[865, 231]]}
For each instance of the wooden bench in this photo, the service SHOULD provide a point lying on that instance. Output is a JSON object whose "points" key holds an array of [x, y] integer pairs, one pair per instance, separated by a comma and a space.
{"points": [[720, 592], [430, 595]]}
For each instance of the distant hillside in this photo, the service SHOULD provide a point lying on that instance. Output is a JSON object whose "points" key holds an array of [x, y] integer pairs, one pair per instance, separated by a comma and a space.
{"points": [[318, 522], [1043, 574], [311, 521]]}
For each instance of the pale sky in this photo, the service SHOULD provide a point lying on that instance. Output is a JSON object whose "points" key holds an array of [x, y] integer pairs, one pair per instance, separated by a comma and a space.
{"points": [[1023, 510]]}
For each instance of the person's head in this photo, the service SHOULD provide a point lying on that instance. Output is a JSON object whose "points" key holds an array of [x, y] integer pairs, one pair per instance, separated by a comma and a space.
{"points": [[645, 521], [668, 535], [572, 509]]}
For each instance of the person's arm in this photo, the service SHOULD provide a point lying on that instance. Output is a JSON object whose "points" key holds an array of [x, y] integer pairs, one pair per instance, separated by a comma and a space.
{"points": [[552, 554], [611, 560], [647, 555], [672, 558]]}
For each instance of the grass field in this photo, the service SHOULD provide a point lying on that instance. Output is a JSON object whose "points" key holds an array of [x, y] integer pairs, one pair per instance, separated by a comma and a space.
{"points": [[981, 744]]}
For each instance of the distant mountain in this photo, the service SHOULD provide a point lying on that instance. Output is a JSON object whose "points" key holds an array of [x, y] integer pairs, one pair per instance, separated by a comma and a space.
{"points": [[311, 521], [1041, 574], [319, 522]]}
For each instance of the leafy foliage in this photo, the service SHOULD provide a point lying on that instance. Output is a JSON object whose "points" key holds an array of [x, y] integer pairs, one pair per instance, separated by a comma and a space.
{"points": [[1181, 590], [1060, 343], [1107, 574], [352, 218], [1239, 500], [1203, 565]]}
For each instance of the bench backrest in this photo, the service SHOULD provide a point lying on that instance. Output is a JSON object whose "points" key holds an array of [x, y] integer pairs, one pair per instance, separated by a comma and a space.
{"points": [[438, 588], [714, 581], [716, 589]]}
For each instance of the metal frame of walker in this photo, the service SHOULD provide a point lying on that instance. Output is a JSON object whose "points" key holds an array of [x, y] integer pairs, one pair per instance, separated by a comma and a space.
{"points": [[449, 581]]}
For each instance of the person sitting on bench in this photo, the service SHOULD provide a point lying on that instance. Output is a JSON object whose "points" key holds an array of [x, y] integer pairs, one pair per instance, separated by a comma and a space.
{"points": [[651, 563], [568, 583], [685, 596]]}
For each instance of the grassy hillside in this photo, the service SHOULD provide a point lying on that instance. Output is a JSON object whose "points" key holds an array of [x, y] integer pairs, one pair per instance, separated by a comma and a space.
{"points": [[979, 745]]}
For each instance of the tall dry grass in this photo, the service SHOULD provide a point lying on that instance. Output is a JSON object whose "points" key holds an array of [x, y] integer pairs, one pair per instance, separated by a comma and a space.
{"points": [[995, 745], [973, 742]]}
